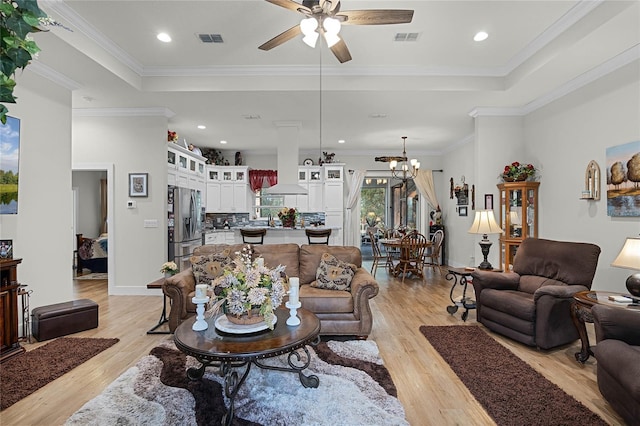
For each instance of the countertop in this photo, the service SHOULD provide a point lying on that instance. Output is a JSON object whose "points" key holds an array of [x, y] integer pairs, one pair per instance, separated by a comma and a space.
{"points": [[269, 229]]}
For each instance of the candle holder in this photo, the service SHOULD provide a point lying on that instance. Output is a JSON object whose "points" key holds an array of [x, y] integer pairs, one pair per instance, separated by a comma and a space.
{"points": [[200, 323], [293, 313]]}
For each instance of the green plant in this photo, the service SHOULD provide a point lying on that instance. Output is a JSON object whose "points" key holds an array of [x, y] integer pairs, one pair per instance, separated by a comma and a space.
{"points": [[18, 18]]}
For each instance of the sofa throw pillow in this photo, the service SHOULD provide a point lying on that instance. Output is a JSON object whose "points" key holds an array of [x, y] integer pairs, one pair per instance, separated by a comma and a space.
{"points": [[334, 274], [209, 267]]}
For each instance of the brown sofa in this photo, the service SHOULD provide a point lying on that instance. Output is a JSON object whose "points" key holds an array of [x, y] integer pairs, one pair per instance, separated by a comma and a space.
{"points": [[532, 303], [618, 355], [340, 312]]}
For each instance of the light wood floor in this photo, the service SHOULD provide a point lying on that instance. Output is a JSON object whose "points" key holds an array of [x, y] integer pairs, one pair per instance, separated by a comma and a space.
{"points": [[428, 389]]}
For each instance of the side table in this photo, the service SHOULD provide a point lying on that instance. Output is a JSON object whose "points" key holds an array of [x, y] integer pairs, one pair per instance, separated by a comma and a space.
{"points": [[581, 314], [460, 276]]}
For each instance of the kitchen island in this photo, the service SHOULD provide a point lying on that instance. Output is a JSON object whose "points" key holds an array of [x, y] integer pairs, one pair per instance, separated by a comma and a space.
{"points": [[275, 235]]}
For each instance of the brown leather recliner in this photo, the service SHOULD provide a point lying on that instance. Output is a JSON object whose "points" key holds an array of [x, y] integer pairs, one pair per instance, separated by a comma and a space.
{"points": [[532, 303], [340, 312], [618, 355]]}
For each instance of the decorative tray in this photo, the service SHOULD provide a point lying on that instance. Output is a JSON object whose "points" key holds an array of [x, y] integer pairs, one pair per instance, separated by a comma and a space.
{"points": [[223, 324]]}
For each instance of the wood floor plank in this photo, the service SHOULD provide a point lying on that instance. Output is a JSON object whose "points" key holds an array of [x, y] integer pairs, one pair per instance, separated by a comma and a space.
{"points": [[429, 390]]}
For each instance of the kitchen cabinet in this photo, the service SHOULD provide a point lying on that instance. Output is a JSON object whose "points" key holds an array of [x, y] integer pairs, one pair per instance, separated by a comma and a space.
{"points": [[229, 197], [518, 217]]}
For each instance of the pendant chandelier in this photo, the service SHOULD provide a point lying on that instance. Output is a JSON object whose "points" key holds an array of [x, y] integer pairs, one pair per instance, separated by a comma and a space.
{"points": [[404, 170]]}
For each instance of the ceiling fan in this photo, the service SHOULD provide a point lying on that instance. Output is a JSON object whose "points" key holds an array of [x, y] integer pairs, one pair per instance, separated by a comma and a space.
{"points": [[323, 17]]}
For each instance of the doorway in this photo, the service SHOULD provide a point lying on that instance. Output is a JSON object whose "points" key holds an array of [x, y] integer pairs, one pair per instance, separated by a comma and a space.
{"points": [[102, 191]]}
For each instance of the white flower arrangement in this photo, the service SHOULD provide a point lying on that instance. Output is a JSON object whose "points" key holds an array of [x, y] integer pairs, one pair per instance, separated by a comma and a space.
{"points": [[247, 284], [169, 268]]}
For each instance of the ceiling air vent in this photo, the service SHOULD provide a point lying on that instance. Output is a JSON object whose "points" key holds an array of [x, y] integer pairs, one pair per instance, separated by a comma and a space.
{"points": [[210, 38], [406, 37]]}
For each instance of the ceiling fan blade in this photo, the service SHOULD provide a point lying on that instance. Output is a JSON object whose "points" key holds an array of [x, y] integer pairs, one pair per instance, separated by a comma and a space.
{"points": [[292, 32], [341, 51], [375, 17], [291, 5]]}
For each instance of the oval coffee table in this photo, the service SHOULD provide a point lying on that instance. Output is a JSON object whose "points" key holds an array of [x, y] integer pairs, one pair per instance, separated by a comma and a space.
{"points": [[230, 352]]}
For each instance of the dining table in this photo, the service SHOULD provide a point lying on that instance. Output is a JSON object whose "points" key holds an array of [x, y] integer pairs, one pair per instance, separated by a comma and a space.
{"points": [[393, 249]]}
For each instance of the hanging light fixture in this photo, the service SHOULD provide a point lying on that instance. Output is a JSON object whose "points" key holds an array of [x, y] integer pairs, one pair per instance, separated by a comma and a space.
{"points": [[330, 29], [308, 27], [406, 170]]}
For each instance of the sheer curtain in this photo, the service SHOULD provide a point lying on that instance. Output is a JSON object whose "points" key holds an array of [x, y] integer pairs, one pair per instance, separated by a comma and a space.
{"points": [[352, 214], [424, 182]]}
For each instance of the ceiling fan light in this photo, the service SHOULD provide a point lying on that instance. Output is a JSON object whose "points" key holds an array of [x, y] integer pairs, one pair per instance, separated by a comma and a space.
{"points": [[331, 25], [308, 26], [311, 39], [331, 39]]}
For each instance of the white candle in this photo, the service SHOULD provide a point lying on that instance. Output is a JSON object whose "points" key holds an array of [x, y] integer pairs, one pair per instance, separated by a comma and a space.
{"points": [[294, 289], [260, 262], [201, 291]]}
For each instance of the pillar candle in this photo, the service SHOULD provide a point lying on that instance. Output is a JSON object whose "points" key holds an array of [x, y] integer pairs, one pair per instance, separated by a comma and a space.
{"points": [[294, 288], [201, 291], [260, 262]]}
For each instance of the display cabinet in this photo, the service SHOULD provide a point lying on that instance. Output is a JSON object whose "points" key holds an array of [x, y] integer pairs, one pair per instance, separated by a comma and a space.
{"points": [[9, 345], [518, 217]]}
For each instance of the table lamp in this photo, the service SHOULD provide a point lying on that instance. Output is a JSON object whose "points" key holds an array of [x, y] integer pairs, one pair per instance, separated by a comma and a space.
{"points": [[485, 223], [629, 258]]}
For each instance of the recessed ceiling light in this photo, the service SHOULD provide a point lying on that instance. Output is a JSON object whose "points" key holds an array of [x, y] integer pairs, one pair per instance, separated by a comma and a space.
{"points": [[480, 36], [375, 115], [164, 37], [223, 142], [340, 140], [202, 127]]}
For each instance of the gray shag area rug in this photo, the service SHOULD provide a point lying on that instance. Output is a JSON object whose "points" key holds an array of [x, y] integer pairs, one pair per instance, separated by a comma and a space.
{"points": [[355, 389]]}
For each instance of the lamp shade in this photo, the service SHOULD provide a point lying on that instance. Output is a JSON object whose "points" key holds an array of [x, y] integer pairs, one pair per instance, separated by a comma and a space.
{"points": [[485, 223], [629, 256]]}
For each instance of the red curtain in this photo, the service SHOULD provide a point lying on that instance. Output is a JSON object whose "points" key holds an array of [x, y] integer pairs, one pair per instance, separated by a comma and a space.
{"points": [[257, 178]]}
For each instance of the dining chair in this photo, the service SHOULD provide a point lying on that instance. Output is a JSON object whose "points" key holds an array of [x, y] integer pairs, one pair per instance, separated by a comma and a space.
{"points": [[377, 255], [412, 247], [432, 255]]}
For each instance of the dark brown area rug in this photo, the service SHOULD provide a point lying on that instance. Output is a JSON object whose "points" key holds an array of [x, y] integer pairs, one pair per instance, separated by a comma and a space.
{"points": [[23, 374], [511, 391]]}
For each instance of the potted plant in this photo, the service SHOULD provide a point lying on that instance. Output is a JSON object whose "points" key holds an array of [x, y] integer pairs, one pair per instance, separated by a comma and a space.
{"points": [[516, 172], [169, 269], [18, 18]]}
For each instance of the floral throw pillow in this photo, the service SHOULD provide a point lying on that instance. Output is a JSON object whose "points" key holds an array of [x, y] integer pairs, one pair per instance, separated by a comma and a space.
{"points": [[209, 267], [334, 274]]}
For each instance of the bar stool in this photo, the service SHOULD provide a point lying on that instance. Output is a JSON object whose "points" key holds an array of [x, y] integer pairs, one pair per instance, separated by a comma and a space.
{"points": [[253, 236], [318, 236]]}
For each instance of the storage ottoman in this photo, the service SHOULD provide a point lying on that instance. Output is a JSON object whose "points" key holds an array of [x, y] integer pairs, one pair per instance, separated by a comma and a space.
{"points": [[63, 318]]}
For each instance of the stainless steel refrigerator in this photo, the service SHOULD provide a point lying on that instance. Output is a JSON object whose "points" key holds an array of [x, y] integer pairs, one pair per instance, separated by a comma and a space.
{"points": [[185, 219]]}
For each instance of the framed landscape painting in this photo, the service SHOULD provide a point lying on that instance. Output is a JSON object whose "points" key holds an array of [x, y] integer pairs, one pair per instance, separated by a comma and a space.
{"points": [[9, 157], [623, 180]]}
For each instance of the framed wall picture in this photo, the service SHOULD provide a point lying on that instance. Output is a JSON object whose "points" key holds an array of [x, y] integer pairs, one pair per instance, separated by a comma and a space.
{"points": [[623, 193], [488, 201], [138, 184], [6, 249], [462, 211]]}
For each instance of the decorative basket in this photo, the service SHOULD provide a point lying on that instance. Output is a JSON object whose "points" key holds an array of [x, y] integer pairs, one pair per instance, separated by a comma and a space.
{"points": [[251, 317], [516, 179]]}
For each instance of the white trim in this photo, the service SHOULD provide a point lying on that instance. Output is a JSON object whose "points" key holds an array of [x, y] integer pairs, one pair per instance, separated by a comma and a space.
{"points": [[53, 75], [123, 112]]}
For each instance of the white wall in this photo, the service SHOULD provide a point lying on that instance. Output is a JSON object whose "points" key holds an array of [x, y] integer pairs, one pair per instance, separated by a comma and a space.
{"points": [[42, 229], [131, 144], [560, 139], [563, 138]]}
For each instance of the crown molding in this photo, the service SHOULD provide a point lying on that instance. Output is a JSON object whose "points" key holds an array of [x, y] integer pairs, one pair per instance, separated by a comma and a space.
{"points": [[496, 112], [625, 58], [455, 145], [53, 75], [566, 21], [123, 112], [93, 34]]}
